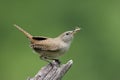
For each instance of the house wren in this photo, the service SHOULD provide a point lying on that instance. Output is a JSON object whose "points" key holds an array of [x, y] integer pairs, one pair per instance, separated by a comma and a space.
{"points": [[50, 48]]}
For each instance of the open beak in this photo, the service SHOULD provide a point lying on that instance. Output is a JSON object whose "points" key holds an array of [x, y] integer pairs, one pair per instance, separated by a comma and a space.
{"points": [[76, 30]]}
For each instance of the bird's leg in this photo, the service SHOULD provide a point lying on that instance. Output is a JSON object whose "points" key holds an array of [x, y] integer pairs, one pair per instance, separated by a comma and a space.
{"points": [[48, 60], [45, 59]]}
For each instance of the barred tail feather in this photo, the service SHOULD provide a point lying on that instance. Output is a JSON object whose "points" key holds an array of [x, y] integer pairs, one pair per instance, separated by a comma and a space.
{"points": [[25, 32]]}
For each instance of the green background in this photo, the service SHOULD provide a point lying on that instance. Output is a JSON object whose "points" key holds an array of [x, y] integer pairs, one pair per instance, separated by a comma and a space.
{"points": [[95, 50]]}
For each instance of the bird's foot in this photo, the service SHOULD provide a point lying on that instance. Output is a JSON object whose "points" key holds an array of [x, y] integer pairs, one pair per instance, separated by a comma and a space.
{"points": [[57, 61]]}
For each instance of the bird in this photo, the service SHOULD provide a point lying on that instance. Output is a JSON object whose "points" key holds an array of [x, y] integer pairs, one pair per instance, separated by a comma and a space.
{"points": [[50, 48]]}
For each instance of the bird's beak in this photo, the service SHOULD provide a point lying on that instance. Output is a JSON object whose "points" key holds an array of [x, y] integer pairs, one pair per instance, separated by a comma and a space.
{"points": [[76, 30]]}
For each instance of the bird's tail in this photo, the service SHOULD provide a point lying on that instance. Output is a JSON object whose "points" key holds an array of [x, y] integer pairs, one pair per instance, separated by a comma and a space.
{"points": [[29, 36]]}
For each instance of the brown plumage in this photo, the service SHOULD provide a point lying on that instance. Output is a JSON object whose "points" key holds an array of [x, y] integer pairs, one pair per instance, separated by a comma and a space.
{"points": [[50, 48]]}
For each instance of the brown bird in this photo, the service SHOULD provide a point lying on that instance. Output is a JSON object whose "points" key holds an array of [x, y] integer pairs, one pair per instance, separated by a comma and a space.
{"points": [[50, 48]]}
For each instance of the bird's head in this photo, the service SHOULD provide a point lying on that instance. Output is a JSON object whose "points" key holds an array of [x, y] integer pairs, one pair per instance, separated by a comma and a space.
{"points": [[68, 35]]}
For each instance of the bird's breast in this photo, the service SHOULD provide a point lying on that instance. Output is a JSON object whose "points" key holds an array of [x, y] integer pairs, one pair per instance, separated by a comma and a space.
{"points": [[64, 47]]}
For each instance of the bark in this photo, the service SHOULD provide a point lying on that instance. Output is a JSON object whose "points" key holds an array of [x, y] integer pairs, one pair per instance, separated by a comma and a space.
{"points": [[52, 72]]}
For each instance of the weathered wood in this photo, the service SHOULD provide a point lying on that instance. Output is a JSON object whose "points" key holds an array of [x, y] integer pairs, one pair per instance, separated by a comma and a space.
{"points": [[52, 72]]}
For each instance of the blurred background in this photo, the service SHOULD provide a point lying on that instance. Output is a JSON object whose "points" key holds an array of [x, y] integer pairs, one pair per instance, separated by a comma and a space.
{"points": [[95, 50]]}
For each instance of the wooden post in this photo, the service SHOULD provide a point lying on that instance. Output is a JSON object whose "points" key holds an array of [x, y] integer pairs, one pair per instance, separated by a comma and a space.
{"points": [[52, 72]]}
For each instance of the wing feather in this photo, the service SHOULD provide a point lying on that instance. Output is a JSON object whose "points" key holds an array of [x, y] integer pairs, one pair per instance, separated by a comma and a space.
{"points": [[46, 45]]}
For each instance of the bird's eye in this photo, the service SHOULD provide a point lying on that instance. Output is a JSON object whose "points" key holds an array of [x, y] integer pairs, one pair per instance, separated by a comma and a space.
{"points": [[67, 33]]}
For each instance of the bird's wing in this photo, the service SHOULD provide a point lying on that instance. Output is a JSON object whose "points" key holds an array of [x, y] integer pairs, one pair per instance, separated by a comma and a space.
{"points": [[46, 45]]}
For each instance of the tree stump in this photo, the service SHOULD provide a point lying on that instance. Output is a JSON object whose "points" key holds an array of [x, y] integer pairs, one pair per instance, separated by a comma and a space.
{"points": [[52, 72]]}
